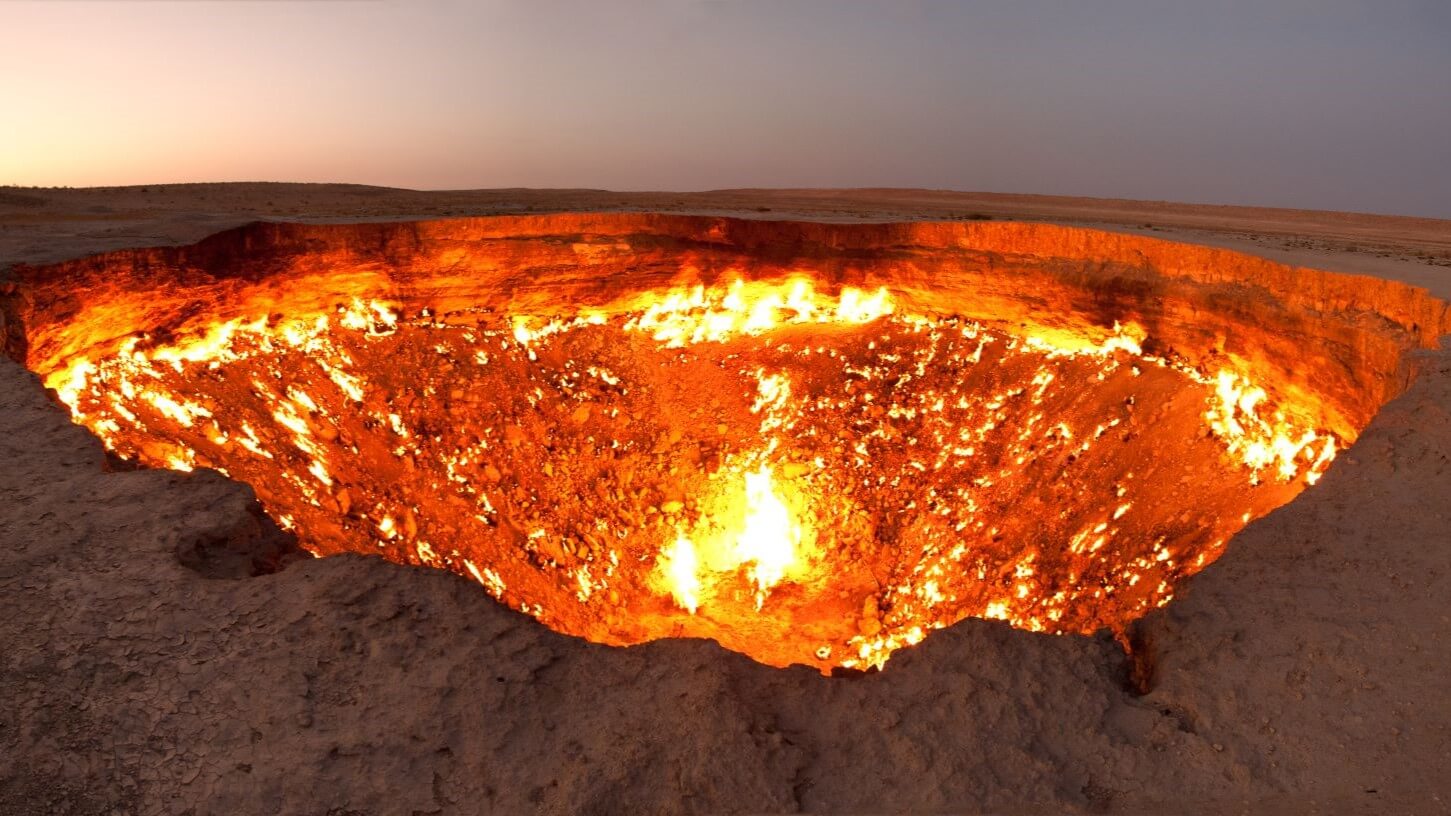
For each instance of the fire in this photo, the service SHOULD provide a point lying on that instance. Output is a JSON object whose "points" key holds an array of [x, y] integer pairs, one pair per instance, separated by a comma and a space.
{"points": [[1264, 442], [769, 538], [762, 537], [806, 475], [1127, 338], [680, 569], [681, 317]]}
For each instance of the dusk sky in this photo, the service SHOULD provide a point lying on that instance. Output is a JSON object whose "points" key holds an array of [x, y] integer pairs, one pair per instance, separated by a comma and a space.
{"points": [[1319, 104]]}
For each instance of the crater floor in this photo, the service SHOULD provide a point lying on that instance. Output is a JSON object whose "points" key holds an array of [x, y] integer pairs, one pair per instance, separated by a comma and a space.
{"points": [[821, 493]]}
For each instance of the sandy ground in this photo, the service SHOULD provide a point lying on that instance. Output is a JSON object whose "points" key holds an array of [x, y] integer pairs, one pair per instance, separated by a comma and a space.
{"points": [[1304, 671]]}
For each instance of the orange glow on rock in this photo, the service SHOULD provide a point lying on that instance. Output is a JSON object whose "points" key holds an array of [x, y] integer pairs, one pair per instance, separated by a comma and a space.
{"points": [[804, 470]]}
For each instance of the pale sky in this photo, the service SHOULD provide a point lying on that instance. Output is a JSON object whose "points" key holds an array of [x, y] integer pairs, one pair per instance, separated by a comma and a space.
{"points": [[1316, 103]]}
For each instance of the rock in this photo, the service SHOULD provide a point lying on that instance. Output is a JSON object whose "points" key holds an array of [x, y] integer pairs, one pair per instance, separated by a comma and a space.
{"points": [[870, 622], [580, 415], [672, 507], [550, 548]]}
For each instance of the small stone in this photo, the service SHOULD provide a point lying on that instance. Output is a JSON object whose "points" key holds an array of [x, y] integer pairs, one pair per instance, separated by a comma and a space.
{"points": [[870, 608], [672, 507], [580, 415], [870, 622], [549, 547], [492, 473]]}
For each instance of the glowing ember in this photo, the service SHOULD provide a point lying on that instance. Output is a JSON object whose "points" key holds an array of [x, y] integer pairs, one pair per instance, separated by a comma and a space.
{"points": [[805, 476], [680, 317], [769, 538], [760, 535], [680, 567]]}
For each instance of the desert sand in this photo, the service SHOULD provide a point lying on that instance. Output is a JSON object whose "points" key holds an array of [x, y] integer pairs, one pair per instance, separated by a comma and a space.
{"points": [[1304, 671]]}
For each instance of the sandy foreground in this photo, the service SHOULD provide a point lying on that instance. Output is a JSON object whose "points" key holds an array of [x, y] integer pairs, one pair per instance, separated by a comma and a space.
{"points": [[1304, 671]]}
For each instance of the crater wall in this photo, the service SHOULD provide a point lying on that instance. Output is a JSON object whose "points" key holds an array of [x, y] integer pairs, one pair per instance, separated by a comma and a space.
{"points": [[1297, 328]]}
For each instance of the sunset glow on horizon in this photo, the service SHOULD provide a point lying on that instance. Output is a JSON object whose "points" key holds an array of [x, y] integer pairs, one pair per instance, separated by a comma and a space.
{"points": [[1337, 106]]}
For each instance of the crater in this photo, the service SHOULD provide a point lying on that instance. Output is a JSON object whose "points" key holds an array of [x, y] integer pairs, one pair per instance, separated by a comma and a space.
{"points": [[812, 443]]}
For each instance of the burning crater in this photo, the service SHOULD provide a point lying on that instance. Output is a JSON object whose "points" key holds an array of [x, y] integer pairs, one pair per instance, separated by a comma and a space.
{"points": [[811, 443]]}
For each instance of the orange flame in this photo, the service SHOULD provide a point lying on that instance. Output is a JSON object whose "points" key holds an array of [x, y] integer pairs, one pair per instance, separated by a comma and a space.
{"points": [[765, 541], [681, 317]]}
